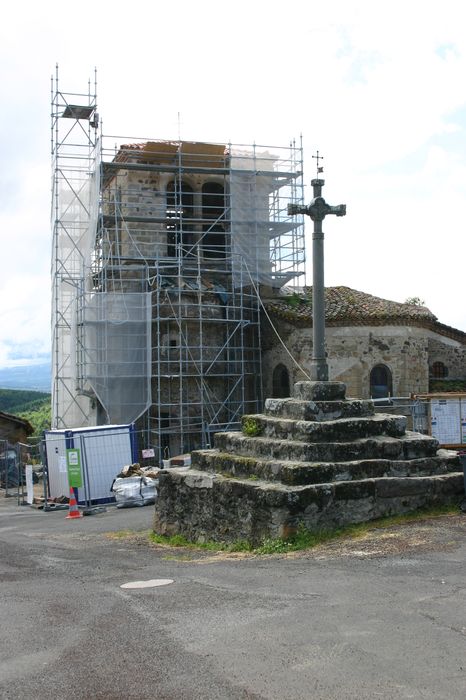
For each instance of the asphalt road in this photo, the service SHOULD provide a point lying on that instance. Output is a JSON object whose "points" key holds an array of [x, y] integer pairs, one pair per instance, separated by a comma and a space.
{"points": [[380, 618]]}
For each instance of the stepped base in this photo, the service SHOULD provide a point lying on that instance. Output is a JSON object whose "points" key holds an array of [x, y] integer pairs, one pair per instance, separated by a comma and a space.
{"points": [[316, 460], [203, 506], [302, 473], [318, 410]]}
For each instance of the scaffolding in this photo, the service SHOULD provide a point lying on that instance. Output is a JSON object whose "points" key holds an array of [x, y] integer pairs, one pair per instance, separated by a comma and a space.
{"points": [[74, 145], [157, 305]]}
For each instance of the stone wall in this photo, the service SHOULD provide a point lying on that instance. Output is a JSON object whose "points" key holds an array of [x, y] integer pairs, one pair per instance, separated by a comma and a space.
{"points": [[352, 352], [203, 507], [451, 353]]}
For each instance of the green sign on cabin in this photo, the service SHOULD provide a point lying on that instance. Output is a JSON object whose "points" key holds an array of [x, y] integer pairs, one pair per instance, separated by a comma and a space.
{"points": [[73, 464]]}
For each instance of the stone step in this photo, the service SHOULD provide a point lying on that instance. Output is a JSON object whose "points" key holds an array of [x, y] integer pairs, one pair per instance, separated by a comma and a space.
{"points": [[409, 446], [299, 473], [343, 429], [228, 509], [319, 391], [318, 410]]}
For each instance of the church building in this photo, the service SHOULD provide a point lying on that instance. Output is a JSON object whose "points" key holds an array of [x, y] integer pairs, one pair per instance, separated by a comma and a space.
{"points": [[377, 347]]}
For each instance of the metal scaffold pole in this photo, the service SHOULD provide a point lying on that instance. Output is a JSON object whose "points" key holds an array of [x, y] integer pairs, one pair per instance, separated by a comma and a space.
{"points": [[74, 129]]}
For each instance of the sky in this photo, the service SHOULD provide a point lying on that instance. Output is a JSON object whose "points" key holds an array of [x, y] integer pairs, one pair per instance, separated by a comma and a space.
{"points": [[377, 87]]}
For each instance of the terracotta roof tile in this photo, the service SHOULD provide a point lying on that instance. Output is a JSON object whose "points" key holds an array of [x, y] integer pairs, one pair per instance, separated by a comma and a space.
{"points": [[346, 306]]}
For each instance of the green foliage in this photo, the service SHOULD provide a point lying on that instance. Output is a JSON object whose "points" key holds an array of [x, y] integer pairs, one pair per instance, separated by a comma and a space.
{"points": [[447, 385], [304, 538], [415, 301], [40, 418], [251, 427], [17, 401], [294, 300], [180, 541], [307, 539]]}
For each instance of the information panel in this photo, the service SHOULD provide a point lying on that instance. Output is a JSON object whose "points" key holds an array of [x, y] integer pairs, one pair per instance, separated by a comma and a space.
{"points": [[446, 423], [73, 463]]}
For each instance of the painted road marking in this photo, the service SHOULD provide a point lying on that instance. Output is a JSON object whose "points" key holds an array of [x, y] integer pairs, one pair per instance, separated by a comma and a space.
{"points": [[152, 583]]}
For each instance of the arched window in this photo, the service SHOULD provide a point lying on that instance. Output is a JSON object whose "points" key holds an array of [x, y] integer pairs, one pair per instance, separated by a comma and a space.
{"points": [[381, 382], [439, 371], [213, 215], [180, 202], [280, 382]]}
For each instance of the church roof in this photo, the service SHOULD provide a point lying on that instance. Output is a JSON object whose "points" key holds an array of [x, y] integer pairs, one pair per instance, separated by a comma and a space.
{"points": [[349, 307]]}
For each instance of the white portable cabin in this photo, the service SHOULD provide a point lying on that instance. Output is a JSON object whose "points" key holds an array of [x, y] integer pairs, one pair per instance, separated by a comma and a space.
{"points": [[104, 449]]}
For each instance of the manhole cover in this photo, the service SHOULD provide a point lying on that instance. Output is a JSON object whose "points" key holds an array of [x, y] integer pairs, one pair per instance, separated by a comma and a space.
{"points": [[152, 583]]}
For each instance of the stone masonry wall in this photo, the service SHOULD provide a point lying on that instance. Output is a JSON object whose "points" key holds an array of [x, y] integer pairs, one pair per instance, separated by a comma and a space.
{"points": [[352, 353], [451, 353]]}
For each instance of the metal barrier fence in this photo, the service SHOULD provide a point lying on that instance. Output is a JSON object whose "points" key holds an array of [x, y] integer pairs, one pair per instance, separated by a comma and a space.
{"points": [[14, 460], [441, 415], [415, 410]]}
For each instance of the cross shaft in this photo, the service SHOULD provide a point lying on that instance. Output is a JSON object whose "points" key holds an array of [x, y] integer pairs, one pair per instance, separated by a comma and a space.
{"points": [[317, 210]]}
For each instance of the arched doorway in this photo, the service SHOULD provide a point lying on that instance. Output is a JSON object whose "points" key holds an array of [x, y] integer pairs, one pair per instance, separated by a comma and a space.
{"points": [[280, 382], [381, 382]]}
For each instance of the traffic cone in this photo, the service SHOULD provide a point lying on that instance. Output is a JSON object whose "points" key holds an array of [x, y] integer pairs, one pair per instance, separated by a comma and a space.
{"points": [[74, 511]]}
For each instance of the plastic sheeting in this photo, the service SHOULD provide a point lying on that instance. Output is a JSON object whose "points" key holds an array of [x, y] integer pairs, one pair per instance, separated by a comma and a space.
{"points": [[264, 237], [249, 200], [117, 338], [74, 219], [134, 491]]}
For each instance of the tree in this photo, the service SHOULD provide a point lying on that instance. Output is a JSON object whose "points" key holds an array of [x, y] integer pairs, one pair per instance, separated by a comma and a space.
{"points": [[40, 418], [415, 301]]}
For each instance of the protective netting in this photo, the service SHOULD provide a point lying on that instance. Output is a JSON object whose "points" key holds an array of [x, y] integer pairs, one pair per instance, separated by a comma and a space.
{"points": [[74, 220], [263, 236], [117, 343], [249, 198]]}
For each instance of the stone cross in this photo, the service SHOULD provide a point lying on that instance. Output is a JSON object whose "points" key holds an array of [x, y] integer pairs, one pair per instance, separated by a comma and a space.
{"points": [[318, 210]]}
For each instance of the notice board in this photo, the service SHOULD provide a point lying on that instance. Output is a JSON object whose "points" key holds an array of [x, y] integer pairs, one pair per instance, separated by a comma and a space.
{"points": [[447, 418]]}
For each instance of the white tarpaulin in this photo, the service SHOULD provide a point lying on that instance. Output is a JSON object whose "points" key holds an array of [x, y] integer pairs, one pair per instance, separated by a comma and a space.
{"points": [[117, 331]]}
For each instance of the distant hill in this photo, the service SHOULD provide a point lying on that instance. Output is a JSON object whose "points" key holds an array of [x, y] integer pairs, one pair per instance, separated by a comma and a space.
{"points": [[34, 377], [22, 401]]}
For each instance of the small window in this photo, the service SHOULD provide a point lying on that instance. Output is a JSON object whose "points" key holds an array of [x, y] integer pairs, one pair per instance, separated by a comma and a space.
{"points": [[280, 382], [381, 382], [439, 371]]}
